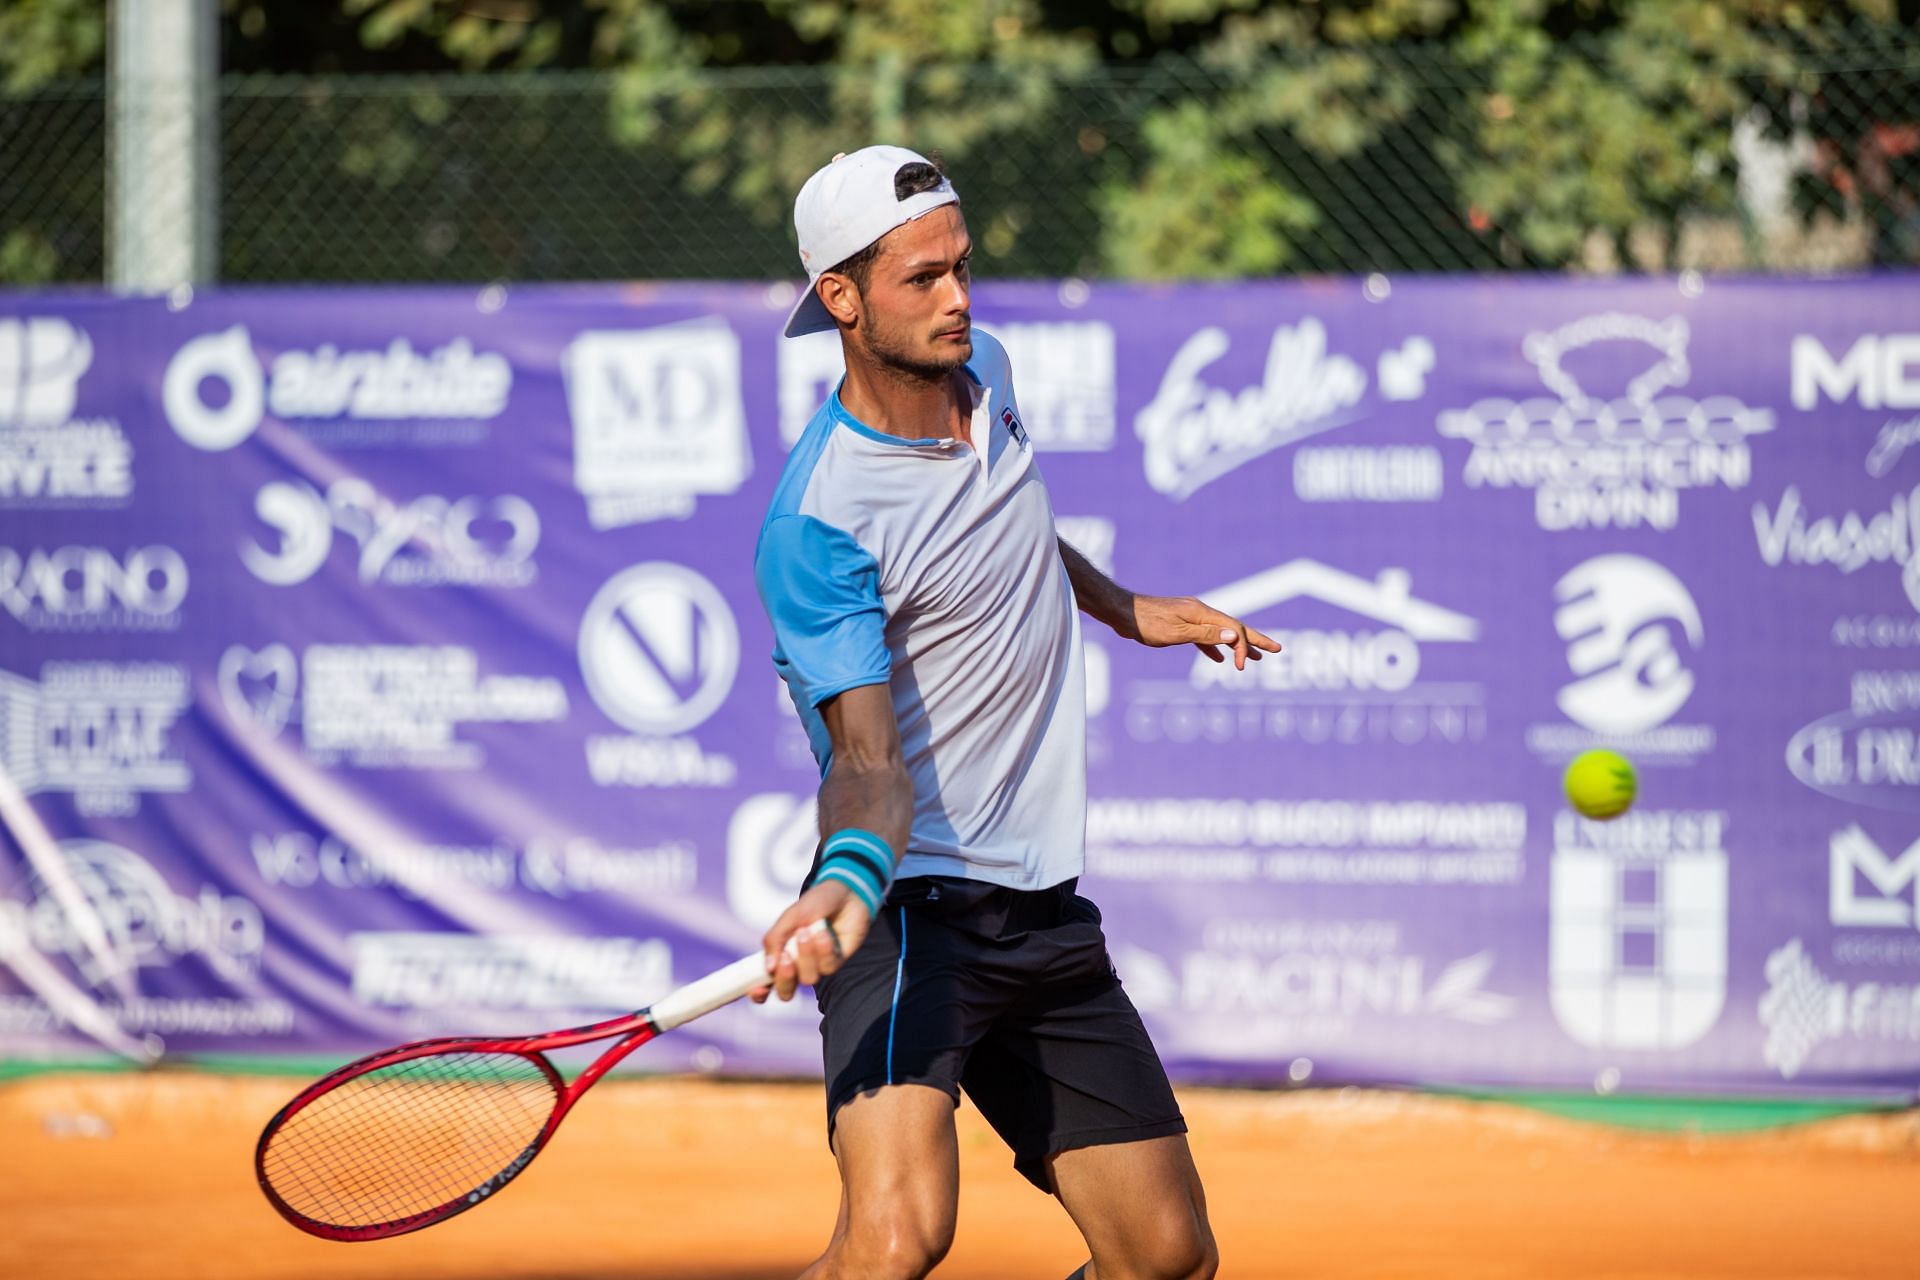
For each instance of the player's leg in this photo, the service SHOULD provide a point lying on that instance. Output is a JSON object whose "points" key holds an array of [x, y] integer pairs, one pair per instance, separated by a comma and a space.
{"points": [[897, 1021], [1140, 1208], [900, 1185], [1069, 1078]]}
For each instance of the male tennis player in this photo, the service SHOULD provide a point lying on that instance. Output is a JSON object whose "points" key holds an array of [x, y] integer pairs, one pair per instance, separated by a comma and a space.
{"points": [[924, 623]]}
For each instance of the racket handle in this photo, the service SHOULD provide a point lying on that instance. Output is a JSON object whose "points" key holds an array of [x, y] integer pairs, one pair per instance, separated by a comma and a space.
{"points": [[721, 987]]}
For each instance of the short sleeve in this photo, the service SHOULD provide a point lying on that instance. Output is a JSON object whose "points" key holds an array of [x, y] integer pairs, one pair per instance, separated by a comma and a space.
{"points": [[821, 591]]}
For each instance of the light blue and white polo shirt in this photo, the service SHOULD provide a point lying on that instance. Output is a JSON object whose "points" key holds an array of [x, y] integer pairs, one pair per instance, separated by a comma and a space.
{"points": [[932, 567]]}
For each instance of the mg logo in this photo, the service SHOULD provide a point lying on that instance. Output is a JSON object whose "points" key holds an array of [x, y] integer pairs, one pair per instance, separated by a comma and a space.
{"points": [[1853, 856], [1639, 929], [1615, 615], [41, 361], [658, 648], [1879, 370]]}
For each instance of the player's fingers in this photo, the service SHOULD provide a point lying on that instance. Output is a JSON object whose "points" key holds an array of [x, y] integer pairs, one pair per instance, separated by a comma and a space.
{"points": [[1212, 651], [759, 994], [786, 976], [1260, 640]]}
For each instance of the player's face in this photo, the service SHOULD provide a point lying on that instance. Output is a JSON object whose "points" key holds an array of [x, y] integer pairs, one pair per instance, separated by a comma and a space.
{"points": [[916, 301]]}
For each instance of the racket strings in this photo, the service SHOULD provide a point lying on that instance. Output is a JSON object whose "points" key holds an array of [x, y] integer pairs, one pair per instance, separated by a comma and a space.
{"points": [[409, 1137]]}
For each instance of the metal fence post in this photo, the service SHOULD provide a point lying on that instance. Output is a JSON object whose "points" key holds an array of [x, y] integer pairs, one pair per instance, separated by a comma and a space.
{"points": [[162, 188]]}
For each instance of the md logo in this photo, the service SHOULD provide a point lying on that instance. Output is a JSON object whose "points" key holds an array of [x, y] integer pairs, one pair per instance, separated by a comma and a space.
{"points": [[1879, 370], [1616, 614], [658, 648]]}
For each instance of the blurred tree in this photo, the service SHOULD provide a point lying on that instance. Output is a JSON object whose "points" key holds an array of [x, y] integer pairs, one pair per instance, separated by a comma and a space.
{"points": [[1236, 137]]}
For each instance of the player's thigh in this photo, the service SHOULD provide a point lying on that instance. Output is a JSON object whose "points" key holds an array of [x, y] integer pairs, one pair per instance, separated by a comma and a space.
{"points": [[899, 1164], [1139, 1206]]}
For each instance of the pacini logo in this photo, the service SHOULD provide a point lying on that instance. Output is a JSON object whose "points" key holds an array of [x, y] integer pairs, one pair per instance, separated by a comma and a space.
{"points": [[449, 382]]}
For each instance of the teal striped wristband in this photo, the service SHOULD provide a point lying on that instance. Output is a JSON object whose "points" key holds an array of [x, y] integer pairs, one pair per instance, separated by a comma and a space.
{"points": [[862, 861]]}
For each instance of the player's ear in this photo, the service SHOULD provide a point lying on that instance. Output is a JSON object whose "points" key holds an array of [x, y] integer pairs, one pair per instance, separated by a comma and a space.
{"points": [[841, 297]]}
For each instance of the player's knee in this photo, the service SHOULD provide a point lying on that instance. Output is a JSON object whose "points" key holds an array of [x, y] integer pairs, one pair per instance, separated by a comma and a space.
{"points": [[1171, 1246], [901, 1246]]}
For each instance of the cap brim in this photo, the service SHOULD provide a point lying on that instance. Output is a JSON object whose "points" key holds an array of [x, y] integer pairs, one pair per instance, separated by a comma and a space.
{"points": [[809, 315]]}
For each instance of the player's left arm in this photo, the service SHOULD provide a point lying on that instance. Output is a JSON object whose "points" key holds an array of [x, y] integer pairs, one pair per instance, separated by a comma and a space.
{"points": [[1160, 621]]}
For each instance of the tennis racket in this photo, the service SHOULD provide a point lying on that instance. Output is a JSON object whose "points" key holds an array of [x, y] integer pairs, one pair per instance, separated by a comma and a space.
{"points": [[409, 1137]]}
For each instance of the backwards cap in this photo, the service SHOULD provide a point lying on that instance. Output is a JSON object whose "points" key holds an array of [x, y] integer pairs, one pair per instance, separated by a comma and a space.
{"points": [[846, 206]]}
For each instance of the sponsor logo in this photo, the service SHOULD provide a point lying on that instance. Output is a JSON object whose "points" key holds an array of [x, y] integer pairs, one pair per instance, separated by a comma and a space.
{"points": [[1361, 474], [1847, 543], [1340, 842], [1599, 454], [216, 392], [1618, 615], [48, 457], [1804, 1009], [145, 923], [658, 419], [658, 650], [1063, 373], [427, 541], [381, 706], [560, 868], [1638, 928], [1011, 422], [1853, 858], [1868, 754], [770, 843], [1879, 371], [93, 588], [1310, 980], [1336, 685], [1891, 444], [1194, 433], [469, 971], [99, 730]]}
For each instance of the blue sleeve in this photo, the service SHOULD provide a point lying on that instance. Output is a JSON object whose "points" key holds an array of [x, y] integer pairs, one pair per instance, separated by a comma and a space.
{"points": [[821, 590]]}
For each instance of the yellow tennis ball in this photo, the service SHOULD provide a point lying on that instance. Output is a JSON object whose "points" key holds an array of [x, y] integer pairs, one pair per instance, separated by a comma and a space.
{"points": [[1601, 783]]}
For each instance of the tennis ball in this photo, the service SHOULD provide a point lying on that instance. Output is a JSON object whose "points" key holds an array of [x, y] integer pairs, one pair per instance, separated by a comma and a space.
{"points": [[1600, 783]]}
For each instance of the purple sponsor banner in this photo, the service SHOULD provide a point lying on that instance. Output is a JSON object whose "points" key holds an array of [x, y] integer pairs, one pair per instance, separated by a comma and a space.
{"points": [[378, 663]]}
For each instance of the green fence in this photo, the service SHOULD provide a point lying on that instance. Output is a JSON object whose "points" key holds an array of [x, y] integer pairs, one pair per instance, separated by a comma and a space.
{"points": [[1594, 157]]}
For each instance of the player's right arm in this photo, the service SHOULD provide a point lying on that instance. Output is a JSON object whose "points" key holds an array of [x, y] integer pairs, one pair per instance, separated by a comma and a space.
{"points": [[867, 790], [821, 589]]}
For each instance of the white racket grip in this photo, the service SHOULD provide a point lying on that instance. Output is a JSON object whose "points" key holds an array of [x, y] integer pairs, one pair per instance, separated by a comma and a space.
{"points": [[721, 987]]}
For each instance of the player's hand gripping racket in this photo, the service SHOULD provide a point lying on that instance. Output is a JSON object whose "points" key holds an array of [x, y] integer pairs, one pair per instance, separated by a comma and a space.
{"points": [[411, 1136]]}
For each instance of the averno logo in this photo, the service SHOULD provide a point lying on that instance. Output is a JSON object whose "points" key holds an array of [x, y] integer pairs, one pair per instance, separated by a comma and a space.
{"points": [[133, 918], [1616, 441], [260, 687], [658, 648], [770, 844], [1358, 681], [1618, 615], [216, 392], [42, 359]]}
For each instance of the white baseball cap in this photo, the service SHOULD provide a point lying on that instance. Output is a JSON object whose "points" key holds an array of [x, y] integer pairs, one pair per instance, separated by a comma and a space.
{"points": [[846, 206]]}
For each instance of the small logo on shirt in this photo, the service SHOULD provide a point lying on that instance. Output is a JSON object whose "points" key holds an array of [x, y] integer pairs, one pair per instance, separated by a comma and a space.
{"points": [[1018, 432]]}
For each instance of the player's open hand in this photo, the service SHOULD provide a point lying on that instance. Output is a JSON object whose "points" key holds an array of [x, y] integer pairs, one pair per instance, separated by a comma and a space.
{"points": [[815, 952], [1170, 620]]}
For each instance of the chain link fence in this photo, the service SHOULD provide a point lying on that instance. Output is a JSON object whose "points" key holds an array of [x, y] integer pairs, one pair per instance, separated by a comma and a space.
{"points": [[1392, 159]]}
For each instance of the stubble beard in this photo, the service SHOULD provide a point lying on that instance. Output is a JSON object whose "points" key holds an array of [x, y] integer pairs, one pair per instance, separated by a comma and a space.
{"points": [[897, 358]]}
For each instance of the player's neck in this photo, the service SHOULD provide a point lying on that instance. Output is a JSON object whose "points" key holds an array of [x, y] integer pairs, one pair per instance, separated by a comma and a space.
{"points": [[906, 405]]}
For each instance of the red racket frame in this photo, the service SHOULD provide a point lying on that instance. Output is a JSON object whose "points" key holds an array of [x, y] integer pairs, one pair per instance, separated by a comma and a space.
{"points": [[689, 1002]]}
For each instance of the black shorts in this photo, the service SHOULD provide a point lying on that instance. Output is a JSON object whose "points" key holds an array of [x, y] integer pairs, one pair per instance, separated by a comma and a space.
{"points": [[1009, 996]]}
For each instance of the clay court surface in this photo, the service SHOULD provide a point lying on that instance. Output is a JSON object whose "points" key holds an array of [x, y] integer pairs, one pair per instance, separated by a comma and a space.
{"points": [[150, 1176]]}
